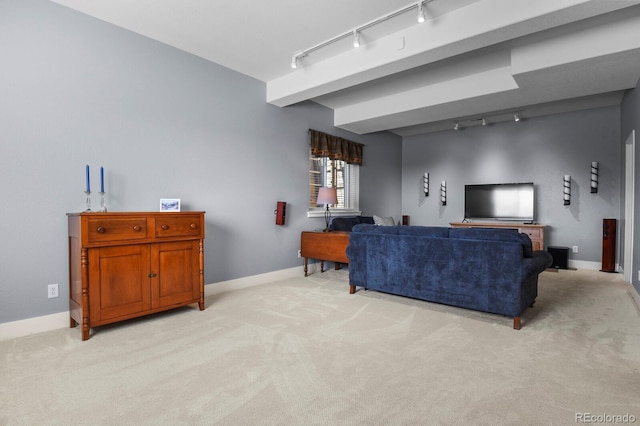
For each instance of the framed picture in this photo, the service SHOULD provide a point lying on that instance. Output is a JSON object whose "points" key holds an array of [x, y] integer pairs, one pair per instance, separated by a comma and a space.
{"points": [[170, 204]]}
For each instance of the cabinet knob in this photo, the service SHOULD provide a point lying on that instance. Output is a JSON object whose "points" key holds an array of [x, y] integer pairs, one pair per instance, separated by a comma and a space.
{"points": [[101, 229], [193, 226], [137, 228], [152, 275], [165, 227]]}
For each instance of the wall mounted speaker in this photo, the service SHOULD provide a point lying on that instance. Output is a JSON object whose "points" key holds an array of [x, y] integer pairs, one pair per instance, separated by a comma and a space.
{"points": [[405, 220], [280, 212]]}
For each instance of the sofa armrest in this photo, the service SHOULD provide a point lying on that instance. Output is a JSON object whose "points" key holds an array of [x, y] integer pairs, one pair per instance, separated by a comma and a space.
{"points": [[537, 263]]}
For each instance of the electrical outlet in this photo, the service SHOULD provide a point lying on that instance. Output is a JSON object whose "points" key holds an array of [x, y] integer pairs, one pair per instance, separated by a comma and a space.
{"points": [[575, 249], [299, 253], [52, 291]]}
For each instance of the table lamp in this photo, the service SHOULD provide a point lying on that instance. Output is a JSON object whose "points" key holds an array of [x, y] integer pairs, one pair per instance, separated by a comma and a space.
{"points": [[327, 196]]}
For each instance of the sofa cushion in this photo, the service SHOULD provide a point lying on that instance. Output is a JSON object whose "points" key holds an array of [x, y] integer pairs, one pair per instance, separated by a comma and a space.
{"points": [[384, 221], [425, 231], [347, 223], [344, 223], [494, 234]]}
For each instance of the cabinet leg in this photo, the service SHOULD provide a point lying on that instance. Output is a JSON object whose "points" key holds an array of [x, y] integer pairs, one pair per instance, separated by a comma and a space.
{"points": [[201, 305], [306, 263], [322, 266], [338, 266], [85, 329], [72, 323]]}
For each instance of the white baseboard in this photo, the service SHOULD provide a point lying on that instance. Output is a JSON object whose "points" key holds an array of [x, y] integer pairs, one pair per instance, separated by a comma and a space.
{"points": [[283, 274], [585, 264], [25, 327], [11, 330]]}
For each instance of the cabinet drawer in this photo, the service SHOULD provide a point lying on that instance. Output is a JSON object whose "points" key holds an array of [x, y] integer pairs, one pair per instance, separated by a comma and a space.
{"points": [[115, 229], [534, 234], [178, 226]]}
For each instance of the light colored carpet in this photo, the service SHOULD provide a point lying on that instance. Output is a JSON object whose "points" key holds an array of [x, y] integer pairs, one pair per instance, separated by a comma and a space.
{"points": [[303, 351]]}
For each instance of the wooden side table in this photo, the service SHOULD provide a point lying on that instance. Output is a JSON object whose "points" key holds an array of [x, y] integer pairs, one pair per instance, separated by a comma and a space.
{"points": [[331, 246]]}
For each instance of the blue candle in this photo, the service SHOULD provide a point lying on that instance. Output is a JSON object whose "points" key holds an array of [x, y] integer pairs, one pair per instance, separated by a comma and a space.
{"points": [[101, 179], [88, 184]]}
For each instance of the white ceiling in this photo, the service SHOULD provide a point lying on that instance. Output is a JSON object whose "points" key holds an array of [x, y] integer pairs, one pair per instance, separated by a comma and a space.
{"points": [[470, 59]]}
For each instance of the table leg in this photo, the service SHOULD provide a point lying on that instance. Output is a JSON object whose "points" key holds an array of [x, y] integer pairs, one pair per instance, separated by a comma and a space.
{"points": [[306, 261], [322, 266]]}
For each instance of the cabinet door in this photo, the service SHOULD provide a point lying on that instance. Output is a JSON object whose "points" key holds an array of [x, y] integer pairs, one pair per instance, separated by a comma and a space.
{"points": [[176, 270], [118, 282]]}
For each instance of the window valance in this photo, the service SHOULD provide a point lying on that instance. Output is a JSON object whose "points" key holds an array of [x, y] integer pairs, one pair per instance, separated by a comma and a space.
{"points": [[335, 148]]}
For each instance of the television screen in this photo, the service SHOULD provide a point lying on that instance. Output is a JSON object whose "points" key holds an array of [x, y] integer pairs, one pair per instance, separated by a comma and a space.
{"points": [[503, 201]]}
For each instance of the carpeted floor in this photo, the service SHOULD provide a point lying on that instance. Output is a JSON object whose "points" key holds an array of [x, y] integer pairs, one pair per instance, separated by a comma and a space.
{"points": [[303, 351]]}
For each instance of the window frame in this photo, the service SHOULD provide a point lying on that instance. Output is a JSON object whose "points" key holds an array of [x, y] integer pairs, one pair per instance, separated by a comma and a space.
{"points": [[351, 195]]}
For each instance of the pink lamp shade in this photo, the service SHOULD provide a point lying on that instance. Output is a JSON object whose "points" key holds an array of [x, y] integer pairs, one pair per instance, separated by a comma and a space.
{"points": [[327, 196]]}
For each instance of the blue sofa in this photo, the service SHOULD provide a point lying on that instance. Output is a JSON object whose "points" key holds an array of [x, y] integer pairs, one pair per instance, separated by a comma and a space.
{"points": [[484, 269]]}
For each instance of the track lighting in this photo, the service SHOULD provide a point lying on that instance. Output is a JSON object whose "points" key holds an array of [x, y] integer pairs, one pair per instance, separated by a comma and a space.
{"points": [[356, 38], [497, 117], [420, 13], [356, 31]]}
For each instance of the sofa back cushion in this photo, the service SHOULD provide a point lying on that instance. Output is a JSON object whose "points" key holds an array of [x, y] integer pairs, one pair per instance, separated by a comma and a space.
{"points": [[494, 234], [425, 231], [365, 228]]}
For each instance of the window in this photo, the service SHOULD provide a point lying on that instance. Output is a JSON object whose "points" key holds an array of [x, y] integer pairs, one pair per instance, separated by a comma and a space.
{"points": [[334, 162], [333, 174]]}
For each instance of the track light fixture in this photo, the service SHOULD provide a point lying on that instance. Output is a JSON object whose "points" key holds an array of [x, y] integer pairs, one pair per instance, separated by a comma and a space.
{"points": [[356, 38], [463, 122], [420, 13], [355, 32]]}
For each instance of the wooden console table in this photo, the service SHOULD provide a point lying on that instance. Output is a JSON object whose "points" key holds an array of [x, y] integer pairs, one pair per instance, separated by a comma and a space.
{"points": [[125, 265], [330, 246], [535, 232]]}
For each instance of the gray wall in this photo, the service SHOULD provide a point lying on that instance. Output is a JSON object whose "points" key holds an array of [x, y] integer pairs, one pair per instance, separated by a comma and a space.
{"points": [[164, 124], [539, 150], [631, 121]]}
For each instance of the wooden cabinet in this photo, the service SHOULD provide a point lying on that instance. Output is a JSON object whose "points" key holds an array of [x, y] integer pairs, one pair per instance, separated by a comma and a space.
{"points": [[324, 246], [125, 265], [535, 232]]}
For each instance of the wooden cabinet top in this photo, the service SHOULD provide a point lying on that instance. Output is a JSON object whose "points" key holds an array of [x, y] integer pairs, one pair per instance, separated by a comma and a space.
{"points": [[98, 229], [511, 225]]}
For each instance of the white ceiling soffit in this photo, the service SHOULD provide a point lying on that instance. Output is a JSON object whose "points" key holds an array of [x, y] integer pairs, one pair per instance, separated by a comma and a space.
{"points": [[470, 58], [477, 60]]}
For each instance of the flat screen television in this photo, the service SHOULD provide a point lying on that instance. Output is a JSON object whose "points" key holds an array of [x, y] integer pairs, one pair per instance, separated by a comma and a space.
{"points": [[500, 201]]}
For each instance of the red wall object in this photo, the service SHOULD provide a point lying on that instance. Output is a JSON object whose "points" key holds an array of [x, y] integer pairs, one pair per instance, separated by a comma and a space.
{"points": [[280, 211]]}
